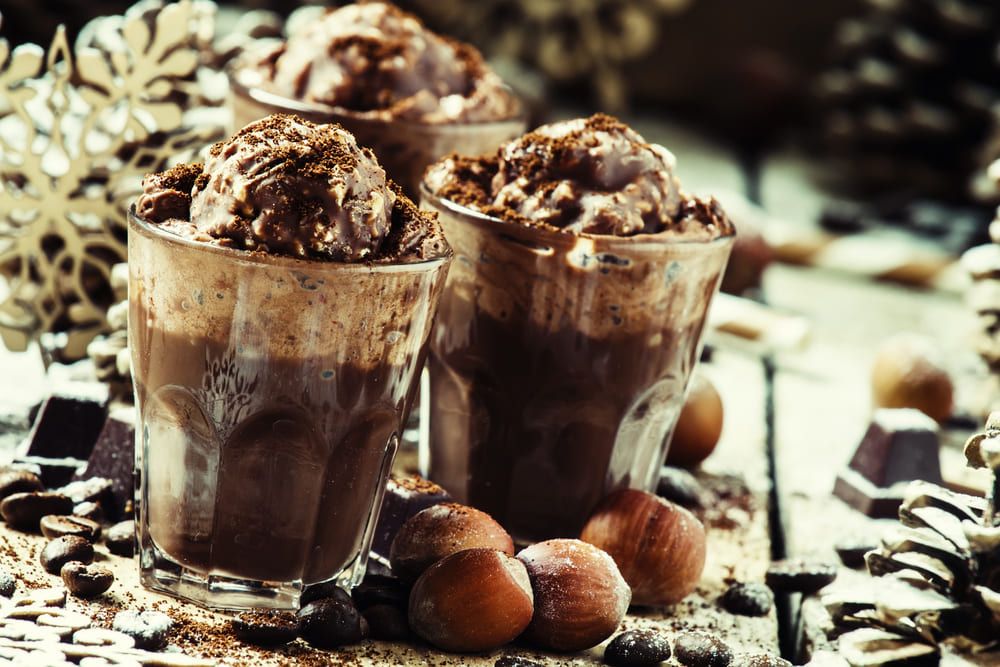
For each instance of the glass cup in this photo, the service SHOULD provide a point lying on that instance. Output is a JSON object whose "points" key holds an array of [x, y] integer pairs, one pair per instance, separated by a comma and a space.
{"points": [[405, 148], [271, 392], [559, 364]]}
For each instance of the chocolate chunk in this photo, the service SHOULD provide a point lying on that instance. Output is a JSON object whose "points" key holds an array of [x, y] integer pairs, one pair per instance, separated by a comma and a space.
{"points": [[266, 627], [747, 599], [331, 622], [95, 490], [89, 510], [69, 422], [763, 660], [8, 583], [19, 481], [404, 497], [637, 648], [113, 458], [516, 661], [86, 580], [54, 472], [852, 554], [62, 550], [57, 525], [901, 445], [387, 622], [149, 629], [696, 649], [796, 576], [24, 511], [120, 538], [379, 590], [680, 486]]}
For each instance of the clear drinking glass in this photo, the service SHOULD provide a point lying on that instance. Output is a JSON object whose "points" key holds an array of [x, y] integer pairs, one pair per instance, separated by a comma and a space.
{"points": [[404, 148], [271, 392], [559, 364]]}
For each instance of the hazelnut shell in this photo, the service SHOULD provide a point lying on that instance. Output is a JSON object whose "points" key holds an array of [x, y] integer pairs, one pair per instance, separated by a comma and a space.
{"points": [[699, 425], [909, 373], [658, 546], [473, 600]]}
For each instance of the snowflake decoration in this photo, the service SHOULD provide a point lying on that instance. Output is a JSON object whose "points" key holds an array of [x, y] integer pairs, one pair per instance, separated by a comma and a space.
{"points": [[78, 128]]}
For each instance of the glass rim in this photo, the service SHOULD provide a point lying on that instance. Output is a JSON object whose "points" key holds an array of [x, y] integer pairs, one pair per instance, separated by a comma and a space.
{"points": [[152, 231], [566, 239], [263, 96]]}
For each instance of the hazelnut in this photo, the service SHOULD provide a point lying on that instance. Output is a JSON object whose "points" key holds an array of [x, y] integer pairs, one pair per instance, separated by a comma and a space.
{"points": [[580, 596], [909, 373], [439, 531], [699, 425], [658, 546], [473, 600]]}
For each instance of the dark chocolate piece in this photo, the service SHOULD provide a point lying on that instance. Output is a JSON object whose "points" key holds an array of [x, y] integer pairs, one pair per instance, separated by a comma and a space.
{"points": [[852, 554], [374, 590], [53, 472], [404, 497], [113, 458], [901, 445], [69, 421], [94, 489], [637, 648], [387, 622]]}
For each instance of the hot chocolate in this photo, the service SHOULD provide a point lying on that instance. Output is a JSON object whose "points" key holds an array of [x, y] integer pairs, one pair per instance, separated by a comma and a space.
{"points": [[571, 320], [281, 297]]}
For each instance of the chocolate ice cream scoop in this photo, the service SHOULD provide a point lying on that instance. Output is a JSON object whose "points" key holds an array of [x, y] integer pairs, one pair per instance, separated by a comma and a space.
{"points": [[374, 57], [589, 175], [286, 186]]}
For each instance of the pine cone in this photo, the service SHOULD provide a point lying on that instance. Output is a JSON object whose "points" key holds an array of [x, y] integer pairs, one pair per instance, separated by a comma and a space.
{"points": [[109, 352], [983, 265], [906, 102]]}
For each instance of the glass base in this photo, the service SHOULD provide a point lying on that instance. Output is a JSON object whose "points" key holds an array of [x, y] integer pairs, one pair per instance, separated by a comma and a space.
{"points": [[160, 573]]}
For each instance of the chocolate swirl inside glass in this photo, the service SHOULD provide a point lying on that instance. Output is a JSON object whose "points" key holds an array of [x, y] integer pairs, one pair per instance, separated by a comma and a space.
{"points": [[271, 392], [559, 363]]}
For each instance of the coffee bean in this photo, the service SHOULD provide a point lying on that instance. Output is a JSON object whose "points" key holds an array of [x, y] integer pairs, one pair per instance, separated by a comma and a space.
{"points": [[331, 622], [696, 649], [680, 486], [19, 481], [24, 510], [763, 660], [149, 629], [387, 622], [57, 525], [62, 550], [749, 599], [89, 510], [266, 627], [637, 648], [120, 538], [379, 590], [7, 582], [516, 661], [313, 592], [852, 554], [795, 576], [86, 581]]}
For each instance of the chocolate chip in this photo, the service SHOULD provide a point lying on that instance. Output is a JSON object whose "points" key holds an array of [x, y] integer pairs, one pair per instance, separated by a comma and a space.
{"points": [[62, 550], [266, 627], [680, 486], [387, 622], [331, 622], [57, 525], [379, 590], [696, 649], [749, 599], [763, 660], [120, 538], [852, 554], [24, 510], [89, 510], [637, 648], [19, 481], [7, 582], [149, 629], [516, 661], [796, 576], [86, 581]]}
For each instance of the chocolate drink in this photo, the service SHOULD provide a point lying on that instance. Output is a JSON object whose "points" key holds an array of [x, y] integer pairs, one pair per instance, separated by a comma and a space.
{"points": [[570, 324], [272, 384]]}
